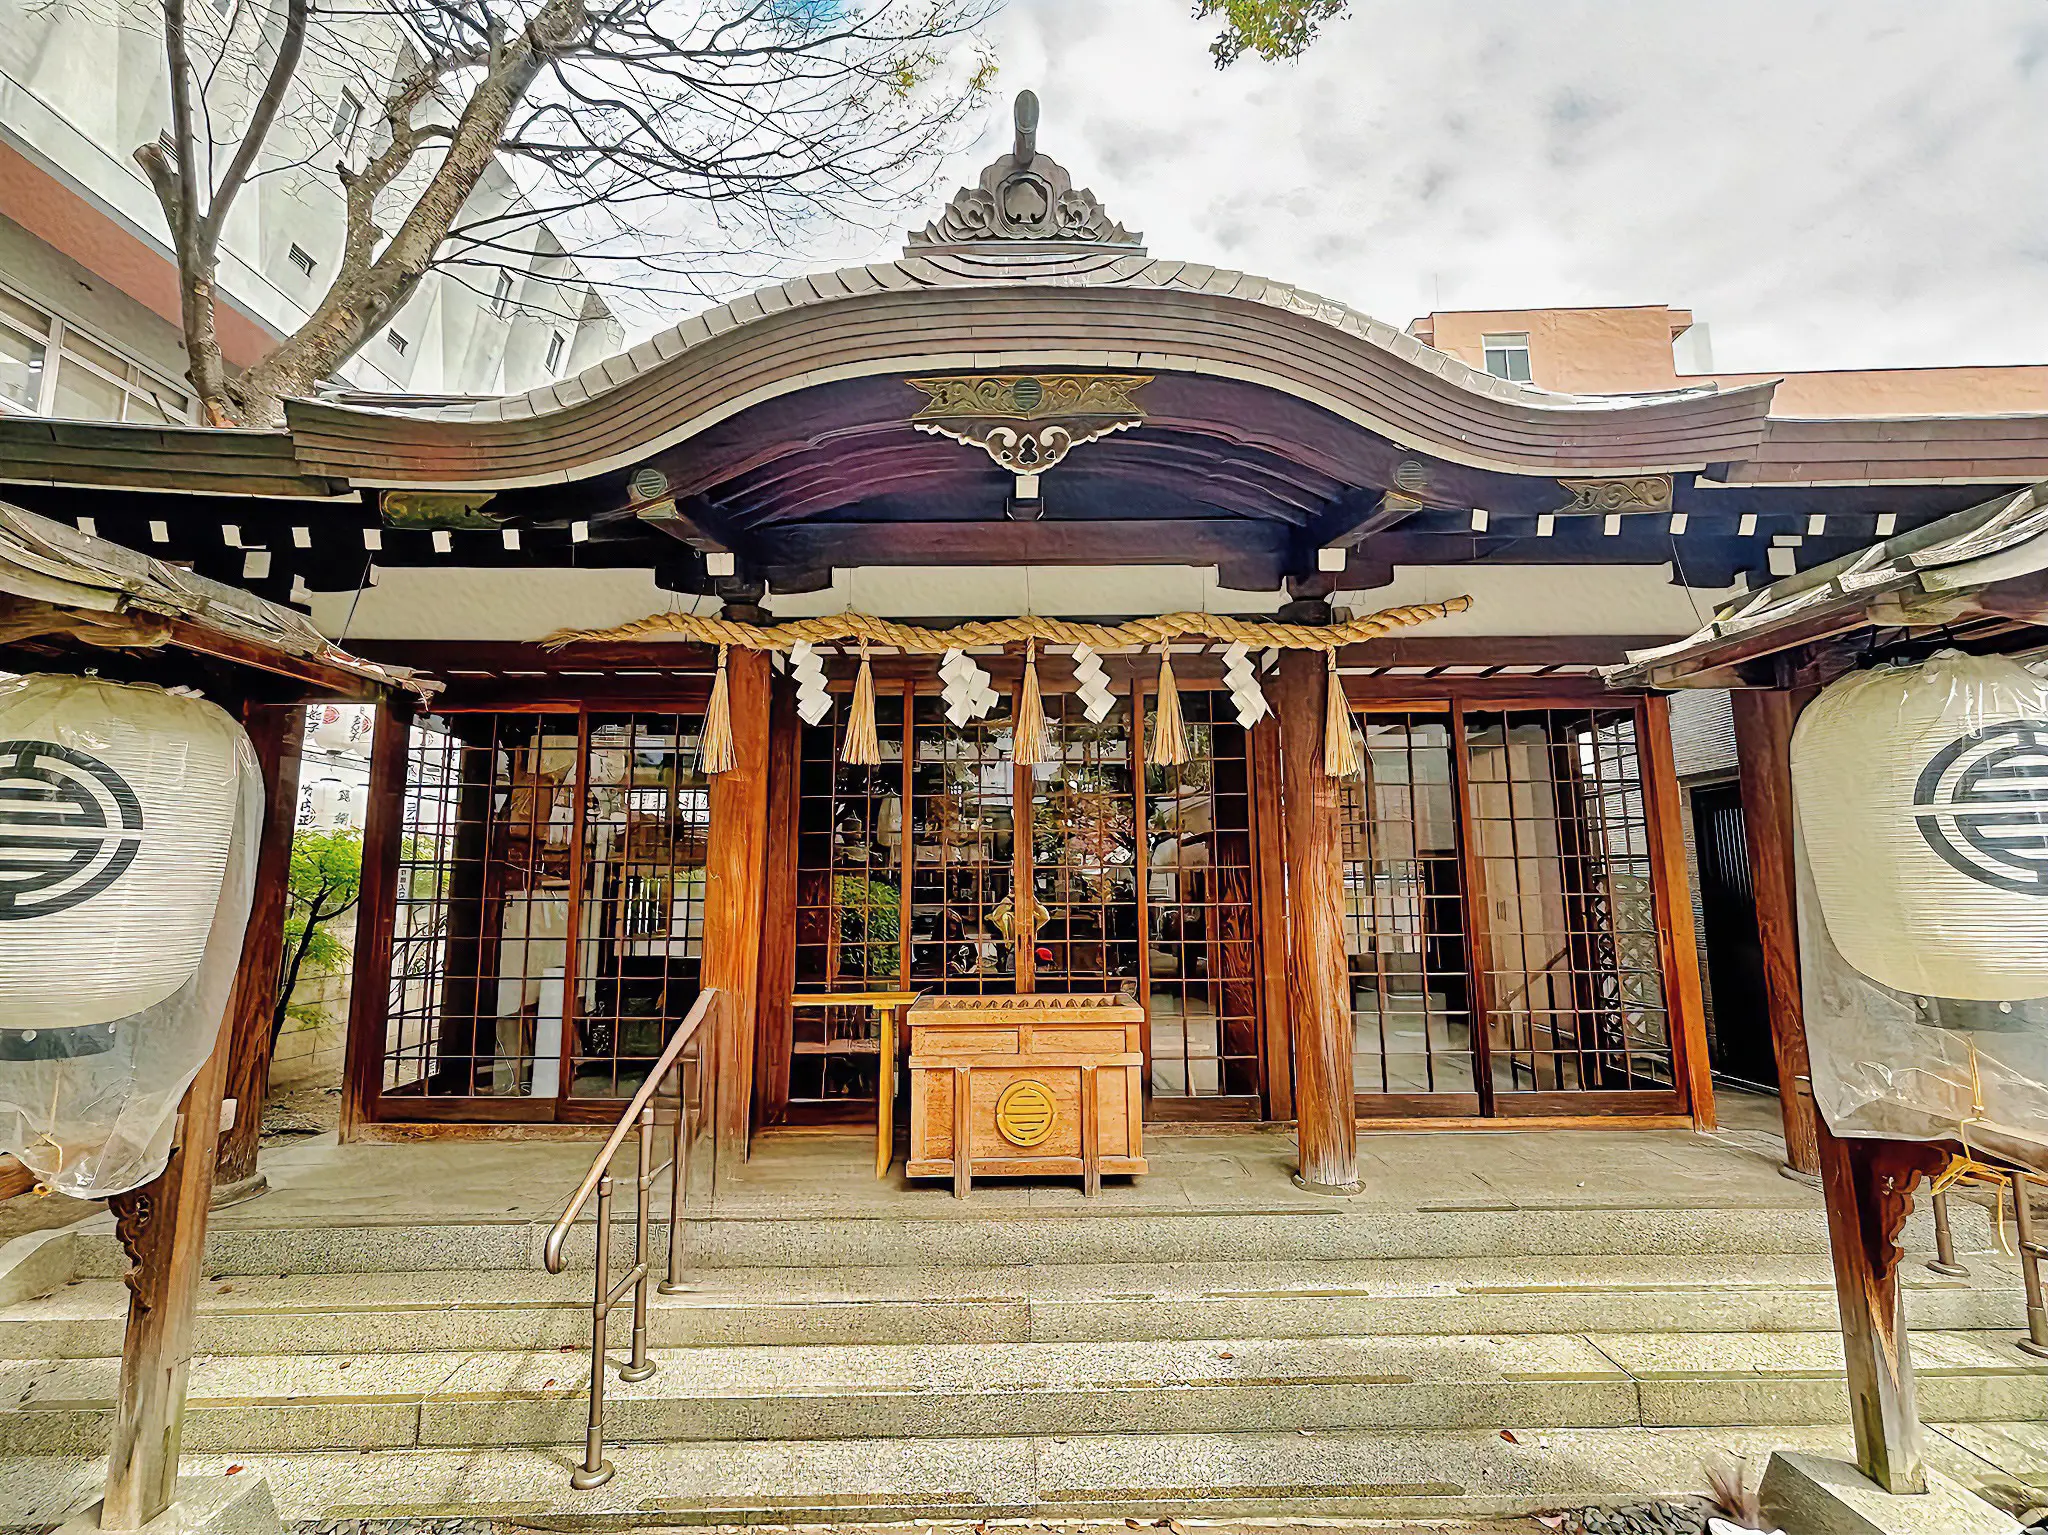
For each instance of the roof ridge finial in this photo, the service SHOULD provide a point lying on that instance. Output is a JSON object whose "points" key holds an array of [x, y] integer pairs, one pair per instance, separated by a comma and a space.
{"points": [[1026, 149], [1026, 198]]}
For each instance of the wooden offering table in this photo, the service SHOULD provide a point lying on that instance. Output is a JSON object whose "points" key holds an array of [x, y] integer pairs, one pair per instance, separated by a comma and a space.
{"points": [[1026, 1084]]}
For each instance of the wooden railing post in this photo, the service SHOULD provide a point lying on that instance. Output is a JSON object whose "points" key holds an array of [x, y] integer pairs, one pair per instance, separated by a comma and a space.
{"points": [[1318, 982], [278, 732], [1763, 744]]}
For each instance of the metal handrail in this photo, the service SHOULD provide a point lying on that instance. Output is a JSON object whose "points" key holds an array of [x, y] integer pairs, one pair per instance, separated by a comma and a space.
{"points": [[639, 1115]]}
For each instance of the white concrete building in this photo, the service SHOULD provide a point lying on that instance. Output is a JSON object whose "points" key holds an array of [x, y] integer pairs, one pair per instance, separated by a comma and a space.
{"points": [[88, 289]]}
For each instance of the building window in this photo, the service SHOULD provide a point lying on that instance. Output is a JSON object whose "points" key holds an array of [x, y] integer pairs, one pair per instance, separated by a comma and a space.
{"points": [[302, 259], [501, 297], [348, 112], [555, 344], [50, 368], [1507, 356], [398, 342]]}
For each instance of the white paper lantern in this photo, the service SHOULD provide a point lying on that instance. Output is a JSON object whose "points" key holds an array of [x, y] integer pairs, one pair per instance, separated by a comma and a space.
{"points": [[1922, 797], [117, 805]]}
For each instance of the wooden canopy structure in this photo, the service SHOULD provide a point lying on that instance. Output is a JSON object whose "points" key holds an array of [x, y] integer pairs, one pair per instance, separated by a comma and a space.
{"points": [[70, 601]]}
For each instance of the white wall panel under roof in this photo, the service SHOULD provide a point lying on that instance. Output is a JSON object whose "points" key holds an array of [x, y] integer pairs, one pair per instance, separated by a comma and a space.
{"points": [[1702, 733], [1549, 599]]}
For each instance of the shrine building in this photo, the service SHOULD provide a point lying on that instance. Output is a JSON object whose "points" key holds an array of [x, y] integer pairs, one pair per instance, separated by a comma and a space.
{"points": [[1030, 423]]}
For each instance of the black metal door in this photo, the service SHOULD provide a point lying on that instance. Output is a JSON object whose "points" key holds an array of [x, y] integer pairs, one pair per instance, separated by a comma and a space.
{"points": [[1735, 957]]}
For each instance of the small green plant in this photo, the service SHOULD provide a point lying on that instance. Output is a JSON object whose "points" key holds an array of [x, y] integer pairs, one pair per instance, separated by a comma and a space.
{"points": [[869, 924], [326, 880]]}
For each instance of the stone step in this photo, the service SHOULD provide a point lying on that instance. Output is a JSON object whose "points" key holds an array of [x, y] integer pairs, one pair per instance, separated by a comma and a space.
{"points": [[1115, 1234], [1003, 1390], [441, 1310], [1333, 1474]]}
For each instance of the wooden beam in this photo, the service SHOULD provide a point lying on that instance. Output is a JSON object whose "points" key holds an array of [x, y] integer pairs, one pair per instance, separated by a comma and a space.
{"points": [[693, 522], [735, 890], [1763, 746], [1318, 983], [369, 994], [1868, 1188], [1357, 515], [1108, 541], [14, 1178], [1675, 930], [162, 1228], [278, 732]]}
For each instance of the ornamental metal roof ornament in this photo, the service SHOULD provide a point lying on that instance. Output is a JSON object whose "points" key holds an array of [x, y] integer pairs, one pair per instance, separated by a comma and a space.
{"points": [[1025, 198], [1027, 422]]}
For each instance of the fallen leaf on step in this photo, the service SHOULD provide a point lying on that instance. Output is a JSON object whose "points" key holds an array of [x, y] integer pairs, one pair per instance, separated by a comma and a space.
{"points": [[1509, 1435], [1226, 1356], [1551, 1521], [547, 1383], [1132, 1524], [234, 1470]]}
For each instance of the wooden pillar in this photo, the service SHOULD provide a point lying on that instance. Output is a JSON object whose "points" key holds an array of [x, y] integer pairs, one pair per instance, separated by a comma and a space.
{"points": [[1868, 1187], [1676, 938], [735, 889], [1318, 986], [162, 1227], [369, 996], [1763, 744], [278, 732]]}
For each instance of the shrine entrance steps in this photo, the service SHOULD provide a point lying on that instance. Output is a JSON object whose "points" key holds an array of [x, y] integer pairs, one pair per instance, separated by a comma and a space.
{"points": [[1505, 1323]]}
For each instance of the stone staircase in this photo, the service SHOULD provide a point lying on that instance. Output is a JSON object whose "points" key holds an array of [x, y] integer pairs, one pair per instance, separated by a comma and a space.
{"points": [[1337, 1358]]}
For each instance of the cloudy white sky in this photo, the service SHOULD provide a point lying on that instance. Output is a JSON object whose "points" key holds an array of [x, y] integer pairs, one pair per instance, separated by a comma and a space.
{"points": [[1827, 183]]}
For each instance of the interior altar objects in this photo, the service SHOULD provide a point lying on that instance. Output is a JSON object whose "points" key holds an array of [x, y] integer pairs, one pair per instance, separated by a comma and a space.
{"points": [[1026, 1085]]}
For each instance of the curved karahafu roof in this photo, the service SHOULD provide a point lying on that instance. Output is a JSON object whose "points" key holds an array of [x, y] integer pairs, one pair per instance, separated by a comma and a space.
{"points": [[1024, 271]]}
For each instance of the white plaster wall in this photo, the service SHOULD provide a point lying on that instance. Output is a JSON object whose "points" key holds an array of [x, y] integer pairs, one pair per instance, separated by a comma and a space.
{"points": [[1550, 599], [467, 603]]}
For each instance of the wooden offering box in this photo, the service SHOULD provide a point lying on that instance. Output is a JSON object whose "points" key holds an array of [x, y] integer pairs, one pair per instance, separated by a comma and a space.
{"points": [[1028, 1084]]}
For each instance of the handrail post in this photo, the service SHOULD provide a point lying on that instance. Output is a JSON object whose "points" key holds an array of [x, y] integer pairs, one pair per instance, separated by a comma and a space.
{"points": [[2031, 1252], [596, 1470], [1944, 1242], [678, 1175], [639, 1366]]}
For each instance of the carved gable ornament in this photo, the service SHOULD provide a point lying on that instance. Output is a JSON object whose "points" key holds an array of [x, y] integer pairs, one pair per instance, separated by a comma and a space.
{"points": [[1027, 422], [1025, 196]]}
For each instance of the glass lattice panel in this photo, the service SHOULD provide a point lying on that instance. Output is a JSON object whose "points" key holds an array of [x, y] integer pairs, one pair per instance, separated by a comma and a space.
{"points": [[963, 848], [640, 922], [1573, 965], [1404, 914], [1201, 949], [849, 887], [479, 943], [1084, 852]]}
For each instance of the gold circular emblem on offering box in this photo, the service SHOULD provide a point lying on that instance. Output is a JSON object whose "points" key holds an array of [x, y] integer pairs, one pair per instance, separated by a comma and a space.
{"points": [[1024, 1113]]}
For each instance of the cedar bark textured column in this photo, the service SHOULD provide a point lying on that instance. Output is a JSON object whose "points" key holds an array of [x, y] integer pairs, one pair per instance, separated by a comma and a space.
{"points": [[162, 1227], [735, 889], [1318, 987], [1868, 1188], [1763, 745], [277, 731]]}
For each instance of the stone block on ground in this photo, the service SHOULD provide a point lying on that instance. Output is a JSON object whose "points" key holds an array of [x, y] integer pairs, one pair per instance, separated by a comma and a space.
{"points": [[1818, 1495], [205, 1505]]}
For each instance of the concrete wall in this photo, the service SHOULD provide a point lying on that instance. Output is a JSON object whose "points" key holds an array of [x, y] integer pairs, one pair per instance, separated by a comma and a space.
{"points": [[83, 83], [1626, 350]]}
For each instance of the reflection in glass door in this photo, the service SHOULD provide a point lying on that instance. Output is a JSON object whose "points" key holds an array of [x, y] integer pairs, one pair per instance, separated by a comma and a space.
{"points": [[549, 923], [1201, 951], [1404, 919]]}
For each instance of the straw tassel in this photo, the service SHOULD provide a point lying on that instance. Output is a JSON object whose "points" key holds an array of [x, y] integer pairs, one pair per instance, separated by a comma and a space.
{"points": [[1169, 737], [863, 746], [1029, 747], [717, 754], [1340, 748]]}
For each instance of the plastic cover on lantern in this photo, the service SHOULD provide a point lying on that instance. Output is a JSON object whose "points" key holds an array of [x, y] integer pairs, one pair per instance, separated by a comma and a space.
{"points": [[1921, 802], [132, 817]]}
